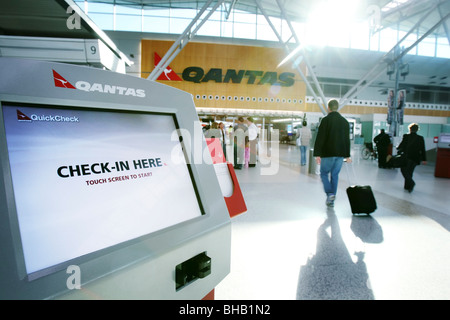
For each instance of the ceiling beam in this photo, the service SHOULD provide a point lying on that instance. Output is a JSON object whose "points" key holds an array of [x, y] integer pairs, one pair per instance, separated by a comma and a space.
{"points": [[320, 102], [369, 77], [445, 25], [323, 104], [183, 40]]}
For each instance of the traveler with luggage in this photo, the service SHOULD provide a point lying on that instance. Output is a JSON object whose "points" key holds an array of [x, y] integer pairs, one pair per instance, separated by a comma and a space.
{"points": [[332, 145]]}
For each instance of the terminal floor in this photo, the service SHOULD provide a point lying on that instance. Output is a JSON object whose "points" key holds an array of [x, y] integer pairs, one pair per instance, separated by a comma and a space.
{"points": [[290, 245]]}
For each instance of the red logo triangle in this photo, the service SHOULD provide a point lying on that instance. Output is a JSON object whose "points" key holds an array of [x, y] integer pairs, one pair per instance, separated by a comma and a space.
{"points": [[22, 117], [60, 82], [168, 73]]}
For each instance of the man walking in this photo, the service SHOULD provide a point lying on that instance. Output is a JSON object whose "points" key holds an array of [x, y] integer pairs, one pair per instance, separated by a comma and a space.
{"points": [[413, 145], [331, 147]]}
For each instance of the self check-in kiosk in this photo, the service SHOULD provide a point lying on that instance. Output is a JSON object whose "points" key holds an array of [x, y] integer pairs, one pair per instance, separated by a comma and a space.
{"points": [[102, 192]]}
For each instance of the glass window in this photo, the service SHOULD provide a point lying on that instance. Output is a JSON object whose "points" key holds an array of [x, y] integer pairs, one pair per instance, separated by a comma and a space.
{"points": [[425, 97], [132, 10], [210, 28], [442, 97], [427, 47], [216, 15], [415, 96], [316, 35], [443, 48], [374, 42], [408, 41], [103, 21], [155, 24], [227, 28], [178, 25], [244, 30], [286, 33], [156, 12], [182, 13], [388, 39], [299, 30], [95, 7], [128, 22], [276, 22], [360, 36], [81, 4], [241, 16], [265, 32], [331, 90]]}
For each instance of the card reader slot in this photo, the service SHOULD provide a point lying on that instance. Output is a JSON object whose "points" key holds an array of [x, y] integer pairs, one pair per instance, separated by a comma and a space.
{"points": [[197, 267]]}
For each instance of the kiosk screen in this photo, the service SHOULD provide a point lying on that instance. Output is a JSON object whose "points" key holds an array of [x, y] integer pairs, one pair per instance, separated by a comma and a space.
{"points": [[88, 179]]}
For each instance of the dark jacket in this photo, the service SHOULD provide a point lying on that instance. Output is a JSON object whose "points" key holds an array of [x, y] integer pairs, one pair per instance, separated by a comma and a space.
{"points": [[333, 138], [382, 140], [413, 146]]}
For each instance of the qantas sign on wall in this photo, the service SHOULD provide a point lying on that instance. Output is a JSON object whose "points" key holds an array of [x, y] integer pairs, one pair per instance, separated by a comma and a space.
{"points": [[198, 75]]}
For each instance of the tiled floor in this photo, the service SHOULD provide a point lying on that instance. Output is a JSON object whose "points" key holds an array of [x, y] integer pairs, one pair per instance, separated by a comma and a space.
{"points": [[289, 245]]}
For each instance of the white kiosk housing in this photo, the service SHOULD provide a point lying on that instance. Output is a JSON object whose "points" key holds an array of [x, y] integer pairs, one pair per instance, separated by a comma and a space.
{"points": [[102, 194]]}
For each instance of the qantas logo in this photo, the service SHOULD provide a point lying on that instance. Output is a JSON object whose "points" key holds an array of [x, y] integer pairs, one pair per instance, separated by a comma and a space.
{"points": [[61, 82], [22, 117], [45, 117], [168, 73]]}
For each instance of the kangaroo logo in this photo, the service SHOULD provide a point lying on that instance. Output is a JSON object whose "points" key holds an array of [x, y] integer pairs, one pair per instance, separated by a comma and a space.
{"points": [[60, 82], [22, 116], [168, 73]]}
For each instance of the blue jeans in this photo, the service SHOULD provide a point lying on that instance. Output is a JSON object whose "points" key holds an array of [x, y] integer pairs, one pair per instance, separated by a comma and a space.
{"points": [[303, 155], [329, 173]]}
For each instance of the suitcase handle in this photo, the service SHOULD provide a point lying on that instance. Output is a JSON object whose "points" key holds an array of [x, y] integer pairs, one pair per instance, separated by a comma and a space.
{"points": [[348, 174]]}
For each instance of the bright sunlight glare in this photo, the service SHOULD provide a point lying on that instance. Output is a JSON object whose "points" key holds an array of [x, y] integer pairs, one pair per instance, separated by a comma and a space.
{"points": [[331, 20]]}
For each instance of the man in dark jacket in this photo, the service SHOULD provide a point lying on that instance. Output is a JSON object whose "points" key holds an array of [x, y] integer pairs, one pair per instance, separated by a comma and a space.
{"points": [[413, 146], [382, 141], [331, 147]]}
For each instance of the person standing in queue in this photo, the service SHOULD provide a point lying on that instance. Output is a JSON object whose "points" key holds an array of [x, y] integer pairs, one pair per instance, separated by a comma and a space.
{"points": [[331, 147], [413, 146], [240, 137], [253, 141], [304, 137], [223, 138]]}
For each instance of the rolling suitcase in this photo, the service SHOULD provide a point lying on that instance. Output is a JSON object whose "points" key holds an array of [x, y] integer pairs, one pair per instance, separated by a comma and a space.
{"points": [[361, 198]]}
